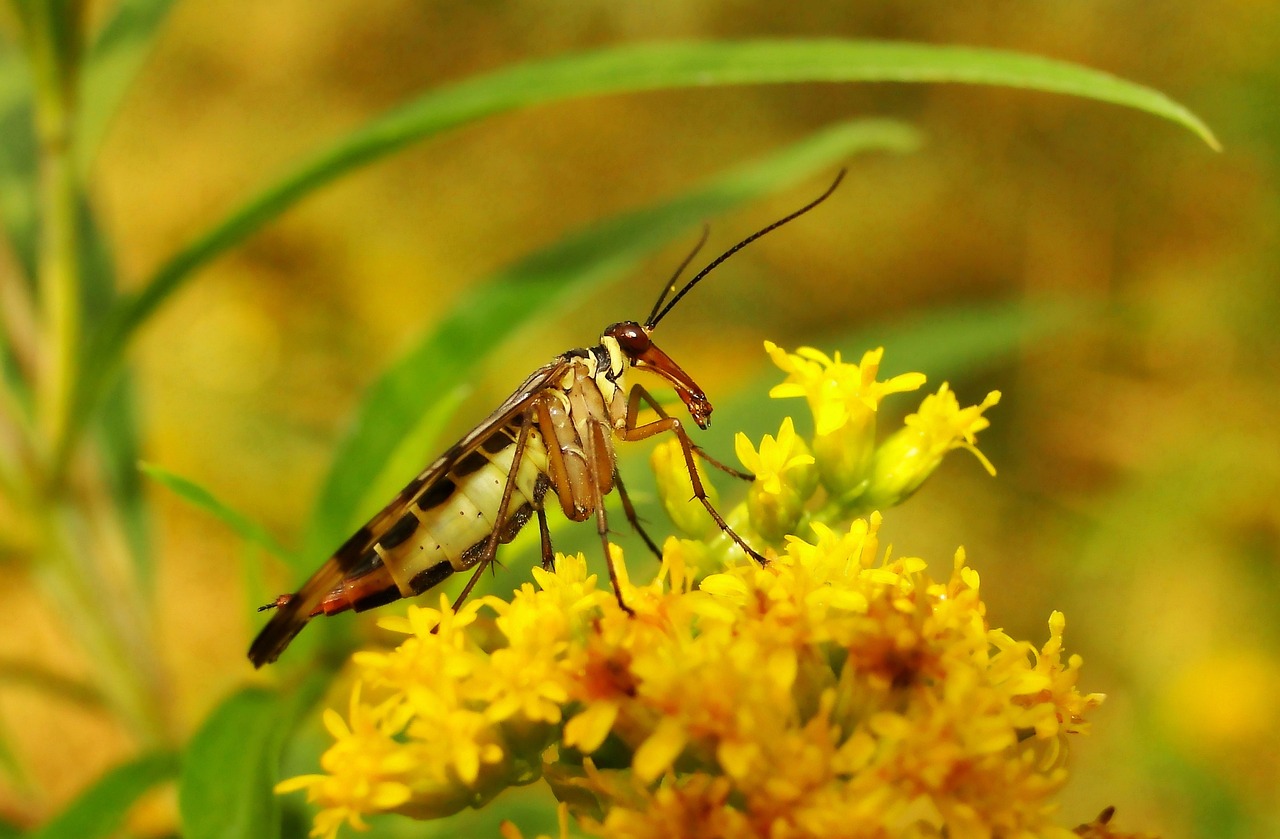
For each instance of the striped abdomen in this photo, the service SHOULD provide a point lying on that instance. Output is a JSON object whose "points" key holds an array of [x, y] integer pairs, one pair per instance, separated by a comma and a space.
{"points": [[446, 527]]}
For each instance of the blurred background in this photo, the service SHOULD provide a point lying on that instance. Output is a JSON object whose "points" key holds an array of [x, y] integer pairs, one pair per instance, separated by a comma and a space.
{"points": [[1139, 462]]}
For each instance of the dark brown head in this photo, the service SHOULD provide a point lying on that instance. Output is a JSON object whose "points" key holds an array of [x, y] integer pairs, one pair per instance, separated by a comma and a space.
{"points": [[637, 350]]}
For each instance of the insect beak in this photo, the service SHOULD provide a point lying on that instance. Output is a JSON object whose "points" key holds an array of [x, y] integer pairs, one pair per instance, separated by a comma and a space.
{"points": [[655, 360]]}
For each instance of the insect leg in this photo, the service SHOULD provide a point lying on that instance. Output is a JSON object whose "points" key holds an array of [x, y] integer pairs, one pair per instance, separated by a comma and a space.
{"points": [[491, 546], [548, 554], [598, 440], [630, 512], [639, 394], [668, 423]]}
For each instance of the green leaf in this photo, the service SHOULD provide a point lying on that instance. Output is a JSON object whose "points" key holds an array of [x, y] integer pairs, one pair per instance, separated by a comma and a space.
{"points": [[630, 68], [117, 437], [228, 774], [202, 498], [99, 811], [450, 353], [114, 58], [17, 159]]}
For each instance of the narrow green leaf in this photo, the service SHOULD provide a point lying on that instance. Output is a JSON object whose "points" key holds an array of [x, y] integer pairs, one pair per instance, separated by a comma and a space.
{"points": [[956, 341], [450, 353], [117, 437], [99, 811], [229, 771], [635, 68], [12, 766], [35, 676], [202, 498], [17, 159], [112, 62], [420, 444]]}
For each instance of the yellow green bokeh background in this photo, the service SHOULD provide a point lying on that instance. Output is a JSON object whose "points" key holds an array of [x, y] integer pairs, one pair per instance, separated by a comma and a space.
{"points": [[1137, 439]]}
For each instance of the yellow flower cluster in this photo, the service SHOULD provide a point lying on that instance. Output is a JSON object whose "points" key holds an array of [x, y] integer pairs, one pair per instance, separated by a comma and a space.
{"points": [[836, 692], [832, 693]]}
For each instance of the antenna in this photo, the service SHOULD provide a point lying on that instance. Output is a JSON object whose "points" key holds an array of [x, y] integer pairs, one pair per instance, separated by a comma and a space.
{"points": [[671, 284], [711, 266]]}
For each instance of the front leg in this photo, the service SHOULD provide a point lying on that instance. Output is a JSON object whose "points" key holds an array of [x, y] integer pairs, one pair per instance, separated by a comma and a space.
{"points": [[638, 394], [631, 431]]}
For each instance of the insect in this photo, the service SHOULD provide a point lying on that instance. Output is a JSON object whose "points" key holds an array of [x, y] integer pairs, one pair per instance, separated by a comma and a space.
{"points": [[554, 437]]}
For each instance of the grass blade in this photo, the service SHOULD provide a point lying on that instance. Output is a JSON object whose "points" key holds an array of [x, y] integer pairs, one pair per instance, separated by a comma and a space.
{"points": [[202, 498], [112, 61], [17, 159], [635, 68], [100, 810], [448, 355]]}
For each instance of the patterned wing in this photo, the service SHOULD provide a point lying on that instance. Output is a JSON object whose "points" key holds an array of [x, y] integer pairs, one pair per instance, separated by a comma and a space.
{"points": [[295, 610]]}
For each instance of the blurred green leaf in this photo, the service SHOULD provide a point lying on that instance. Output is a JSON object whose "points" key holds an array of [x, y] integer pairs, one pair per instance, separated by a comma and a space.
{"points": [[948, 343], [418, 446], [35, 676], [956, 341], [200, 497], [634, 67], [99, 811], [230, 768], [8, 830], [448, 355], [17, 159], [11, 765], [117, 437], [114, 58]]}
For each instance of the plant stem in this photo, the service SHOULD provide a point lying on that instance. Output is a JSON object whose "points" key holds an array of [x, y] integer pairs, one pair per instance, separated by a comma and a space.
{"points": [[119, 652], [53, 45], [75, 547]]}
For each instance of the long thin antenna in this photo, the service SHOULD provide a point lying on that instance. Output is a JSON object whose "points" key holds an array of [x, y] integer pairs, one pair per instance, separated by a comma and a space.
{"points": [[671, 284], [711, 266]]}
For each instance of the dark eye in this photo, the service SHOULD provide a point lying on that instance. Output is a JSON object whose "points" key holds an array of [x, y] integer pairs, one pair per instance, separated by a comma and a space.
{"points": [[630, 336]]}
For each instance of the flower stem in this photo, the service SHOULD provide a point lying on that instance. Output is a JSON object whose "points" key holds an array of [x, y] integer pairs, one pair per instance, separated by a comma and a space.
{"points": [[53, 40]]}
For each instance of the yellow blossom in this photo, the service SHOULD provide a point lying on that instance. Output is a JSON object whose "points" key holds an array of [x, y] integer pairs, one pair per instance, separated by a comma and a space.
{"points": [[844, 399], [911, 454], [837, 690], [675, 490], [877, 686], [782, 483]]}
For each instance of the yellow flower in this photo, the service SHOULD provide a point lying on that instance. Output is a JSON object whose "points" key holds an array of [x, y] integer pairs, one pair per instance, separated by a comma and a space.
{"points": [[838, 690], [844, 399], [782, 484], [365, 768], [675, 490], [886, 695], [911, 454]]}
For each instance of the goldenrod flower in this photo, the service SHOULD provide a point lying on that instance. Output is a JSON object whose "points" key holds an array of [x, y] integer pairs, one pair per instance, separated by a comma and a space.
{"points": [[883, 692], [911, 454], [675, 489], [837, 691], [784, 480], [844, 399]]}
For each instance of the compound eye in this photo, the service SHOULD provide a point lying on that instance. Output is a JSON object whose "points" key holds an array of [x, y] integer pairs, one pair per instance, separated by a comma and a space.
{"points": [[630, 336]]}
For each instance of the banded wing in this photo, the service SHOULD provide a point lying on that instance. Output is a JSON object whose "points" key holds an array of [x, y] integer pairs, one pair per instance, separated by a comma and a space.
{"points": [[437, 524]]}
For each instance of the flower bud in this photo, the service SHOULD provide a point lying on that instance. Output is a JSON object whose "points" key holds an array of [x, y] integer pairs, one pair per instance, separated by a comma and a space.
{"points": [[675, 490]]}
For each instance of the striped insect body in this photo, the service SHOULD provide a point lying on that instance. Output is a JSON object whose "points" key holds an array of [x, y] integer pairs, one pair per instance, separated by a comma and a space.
{"points": [[551, 443]]}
